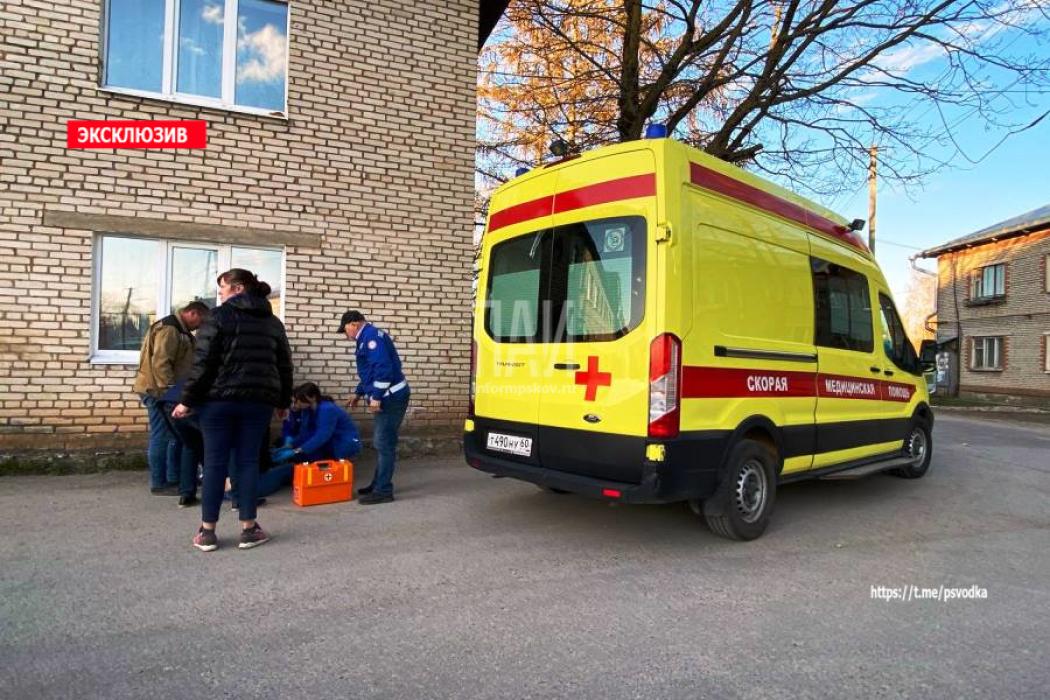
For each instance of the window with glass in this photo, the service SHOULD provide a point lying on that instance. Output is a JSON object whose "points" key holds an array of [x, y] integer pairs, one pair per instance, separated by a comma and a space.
{"points": [[221, 53], [580, 282], [988, 283], [987, 353], [138, 280], [842, 303], [894, 340]]}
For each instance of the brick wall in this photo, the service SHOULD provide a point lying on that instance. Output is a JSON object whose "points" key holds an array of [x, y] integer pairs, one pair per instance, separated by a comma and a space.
{"points": [[1021, 318], [374, 164]]}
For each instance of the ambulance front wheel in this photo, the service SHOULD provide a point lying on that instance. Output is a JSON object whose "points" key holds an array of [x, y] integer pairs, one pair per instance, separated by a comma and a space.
{"points": [[741, 506], [918, 447]]}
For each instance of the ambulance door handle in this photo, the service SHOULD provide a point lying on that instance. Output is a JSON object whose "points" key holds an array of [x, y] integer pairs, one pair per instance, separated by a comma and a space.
{"points": [[566, 365], [876, 370]]}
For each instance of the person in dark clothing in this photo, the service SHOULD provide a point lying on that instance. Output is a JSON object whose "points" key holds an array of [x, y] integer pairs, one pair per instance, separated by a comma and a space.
{"points": [[242, 371], [325, 431]]}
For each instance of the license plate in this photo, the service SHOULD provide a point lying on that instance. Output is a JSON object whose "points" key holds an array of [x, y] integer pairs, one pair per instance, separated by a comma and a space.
{"points": [[513, 444]]}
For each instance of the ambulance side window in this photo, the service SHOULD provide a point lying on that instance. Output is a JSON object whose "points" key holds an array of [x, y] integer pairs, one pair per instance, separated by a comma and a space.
{"points": [[512, 305], [843, 307], [896, 344]]}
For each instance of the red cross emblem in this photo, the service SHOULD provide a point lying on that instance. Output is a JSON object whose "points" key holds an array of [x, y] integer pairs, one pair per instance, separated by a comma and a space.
{"points": [[593, 378]]}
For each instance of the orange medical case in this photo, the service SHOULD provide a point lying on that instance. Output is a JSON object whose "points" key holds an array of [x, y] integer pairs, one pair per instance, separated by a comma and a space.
{"points": [[327, 481]]}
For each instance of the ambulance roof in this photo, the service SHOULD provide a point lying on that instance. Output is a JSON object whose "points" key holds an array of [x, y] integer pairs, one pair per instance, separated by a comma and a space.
{"points": [[712, 173]]}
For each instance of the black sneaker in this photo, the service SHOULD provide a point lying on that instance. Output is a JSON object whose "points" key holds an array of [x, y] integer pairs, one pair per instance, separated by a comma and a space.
{"points": [[169, 490], [187, 501], [372, 499], [206, 541], [260, 501], [365, 490], [253, 537]]}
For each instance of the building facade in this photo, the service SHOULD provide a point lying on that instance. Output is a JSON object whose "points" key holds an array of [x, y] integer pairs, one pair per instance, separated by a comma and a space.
{"points": [[993, 310], [338, 166]]}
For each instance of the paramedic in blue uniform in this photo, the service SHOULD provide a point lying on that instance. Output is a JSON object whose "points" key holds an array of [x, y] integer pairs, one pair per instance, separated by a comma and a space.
{"points": [[385, 390]]}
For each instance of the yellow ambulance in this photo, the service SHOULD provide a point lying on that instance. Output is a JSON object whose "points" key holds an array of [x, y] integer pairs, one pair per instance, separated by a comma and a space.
{"points": [[653, 325]]}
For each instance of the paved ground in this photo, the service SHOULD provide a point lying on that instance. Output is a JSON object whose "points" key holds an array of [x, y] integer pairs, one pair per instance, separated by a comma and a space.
{"points": [[472, 587]]}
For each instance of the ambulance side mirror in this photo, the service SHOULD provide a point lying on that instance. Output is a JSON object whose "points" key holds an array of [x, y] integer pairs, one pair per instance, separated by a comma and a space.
{"points": [[928, 355]]}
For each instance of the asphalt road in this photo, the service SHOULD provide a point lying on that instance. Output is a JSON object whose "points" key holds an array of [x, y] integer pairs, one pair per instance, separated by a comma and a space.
{"points": [[473, 587]]}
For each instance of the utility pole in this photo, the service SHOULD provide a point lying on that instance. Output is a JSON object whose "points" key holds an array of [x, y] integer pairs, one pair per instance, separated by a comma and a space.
{"points": [[873, 153]]}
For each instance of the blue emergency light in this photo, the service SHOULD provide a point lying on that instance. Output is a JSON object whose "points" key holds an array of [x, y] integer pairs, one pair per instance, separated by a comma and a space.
{"points": [[656, 131], [520, 171]]}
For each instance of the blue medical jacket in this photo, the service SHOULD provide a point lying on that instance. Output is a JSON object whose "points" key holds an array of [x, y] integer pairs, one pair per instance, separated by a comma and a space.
{"points": [[378, 364], [327, 432]]}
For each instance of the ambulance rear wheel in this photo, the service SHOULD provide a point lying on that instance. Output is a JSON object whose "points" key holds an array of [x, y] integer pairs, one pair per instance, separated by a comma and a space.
{"points": [[741, 506], [918, 447]]}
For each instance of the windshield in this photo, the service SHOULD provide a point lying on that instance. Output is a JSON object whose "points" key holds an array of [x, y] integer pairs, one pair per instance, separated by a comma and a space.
{"points": [[575, 283]]}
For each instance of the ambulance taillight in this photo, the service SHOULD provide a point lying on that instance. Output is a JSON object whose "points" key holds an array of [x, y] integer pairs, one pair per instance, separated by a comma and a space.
{"points": [[665, 379], [473, 371]]}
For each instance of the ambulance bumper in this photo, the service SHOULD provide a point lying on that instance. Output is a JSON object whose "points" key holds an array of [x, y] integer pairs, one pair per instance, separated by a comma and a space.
{"points": [[688, 471]]}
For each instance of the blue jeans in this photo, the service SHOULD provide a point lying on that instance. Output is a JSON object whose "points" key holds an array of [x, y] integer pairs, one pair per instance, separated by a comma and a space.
{"points": [[275, 478], [160, 436], [384, 437], [189, 450], [237, 427]]}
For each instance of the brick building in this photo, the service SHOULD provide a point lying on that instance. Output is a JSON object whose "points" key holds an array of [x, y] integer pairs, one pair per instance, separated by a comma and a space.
{"points": [[993, 309], [339, 166]]}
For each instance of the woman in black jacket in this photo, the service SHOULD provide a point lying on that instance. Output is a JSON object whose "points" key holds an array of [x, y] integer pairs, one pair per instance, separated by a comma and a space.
{"points": [[242, 371]]}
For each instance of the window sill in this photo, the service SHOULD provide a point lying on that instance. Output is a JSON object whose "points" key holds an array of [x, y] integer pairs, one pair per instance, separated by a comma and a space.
{"points": [[195, 102], [987, 301], [986, 369], [131, 358]]}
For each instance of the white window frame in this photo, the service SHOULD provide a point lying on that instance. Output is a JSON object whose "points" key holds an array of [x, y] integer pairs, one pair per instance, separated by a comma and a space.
{"points": [[1046, 351], [977, 286], [997, 342], [169, 67], [163, 291], [1046, 272]]}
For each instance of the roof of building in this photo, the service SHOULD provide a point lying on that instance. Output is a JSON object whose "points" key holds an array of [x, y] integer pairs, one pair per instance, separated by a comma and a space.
{"points": [[1017, 226]]}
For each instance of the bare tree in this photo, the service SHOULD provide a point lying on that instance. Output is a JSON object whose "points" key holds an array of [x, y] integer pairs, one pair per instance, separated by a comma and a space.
{"points": [[798, 89]]}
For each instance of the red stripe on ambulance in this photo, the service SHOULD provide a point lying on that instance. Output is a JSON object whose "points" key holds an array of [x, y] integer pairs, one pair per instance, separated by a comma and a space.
{"points": [[734, 382], [726, 382], [839, 387], [605, 192], [730, 187], [588, 196], [525, 211], [892, 391]]}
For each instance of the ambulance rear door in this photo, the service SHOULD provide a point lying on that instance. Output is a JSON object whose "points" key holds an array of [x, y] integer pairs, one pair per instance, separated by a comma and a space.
{"points": [[508, 372], [601, 314]]}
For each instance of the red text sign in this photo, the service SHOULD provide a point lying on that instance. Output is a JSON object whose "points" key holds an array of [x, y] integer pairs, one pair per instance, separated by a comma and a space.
{"points": [[136, 134]]}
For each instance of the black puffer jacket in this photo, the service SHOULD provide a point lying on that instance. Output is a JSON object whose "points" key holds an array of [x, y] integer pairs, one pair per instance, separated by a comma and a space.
{"points": [[242, 354]]}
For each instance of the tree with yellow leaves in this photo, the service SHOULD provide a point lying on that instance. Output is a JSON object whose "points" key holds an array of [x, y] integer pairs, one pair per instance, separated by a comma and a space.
{"points": [[797, 89]]}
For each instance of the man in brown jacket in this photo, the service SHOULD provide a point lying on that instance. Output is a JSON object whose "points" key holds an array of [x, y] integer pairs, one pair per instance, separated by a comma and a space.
{"points": [[165, 361]]}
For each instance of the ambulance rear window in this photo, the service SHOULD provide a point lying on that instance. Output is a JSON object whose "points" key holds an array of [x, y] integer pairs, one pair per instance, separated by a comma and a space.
{"points": [[512, 311], [574, 283]]}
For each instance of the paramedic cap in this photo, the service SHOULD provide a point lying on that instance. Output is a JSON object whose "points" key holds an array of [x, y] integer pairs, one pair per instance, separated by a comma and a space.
{"points": [[350, 317]]}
